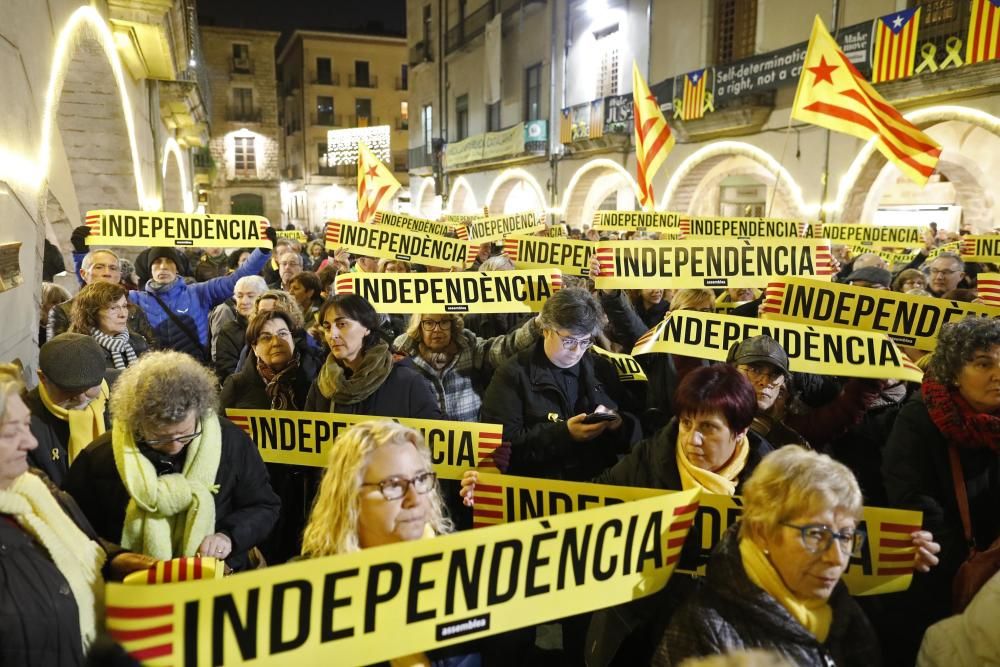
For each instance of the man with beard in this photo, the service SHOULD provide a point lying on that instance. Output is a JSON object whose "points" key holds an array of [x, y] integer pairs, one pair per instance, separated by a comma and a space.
{"points": [[68, 405]]}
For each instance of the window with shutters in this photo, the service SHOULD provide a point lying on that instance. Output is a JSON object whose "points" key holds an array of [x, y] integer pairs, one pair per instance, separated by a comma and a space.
{"points": [[244, 157], [607, 72], [735, 29]]}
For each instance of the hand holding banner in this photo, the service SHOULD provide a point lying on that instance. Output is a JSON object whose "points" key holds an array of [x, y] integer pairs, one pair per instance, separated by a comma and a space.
{"points": [[985, 248], [142, 228]]}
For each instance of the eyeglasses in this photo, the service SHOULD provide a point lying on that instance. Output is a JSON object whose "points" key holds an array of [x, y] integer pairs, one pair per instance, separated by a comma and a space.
{"points": [[761, 372], [817, 538], [431, 325], [944, 272], [395, 488], [570, 343], [180, 439], [265, 338]]}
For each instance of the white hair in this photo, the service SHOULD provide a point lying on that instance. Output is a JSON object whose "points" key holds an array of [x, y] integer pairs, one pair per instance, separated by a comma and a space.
{"points": [[255, 283]]}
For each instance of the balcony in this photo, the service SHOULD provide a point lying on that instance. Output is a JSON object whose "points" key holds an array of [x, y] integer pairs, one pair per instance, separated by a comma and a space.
{"points": [[421, 53], [419, 158], [399, 162], [292, 128], [238, 115], [366, 82], [402, 123], [401, 84], [474, 24], [337, 171], [327, 119], [332, 80], [365, 121], [241, 66]]}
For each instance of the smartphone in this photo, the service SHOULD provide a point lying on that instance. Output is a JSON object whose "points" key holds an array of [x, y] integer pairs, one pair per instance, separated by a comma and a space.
{"points": [[596, 417]]}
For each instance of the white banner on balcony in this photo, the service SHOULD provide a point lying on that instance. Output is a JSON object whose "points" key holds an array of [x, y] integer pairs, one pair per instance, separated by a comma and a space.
{"points": [[491, 75]]}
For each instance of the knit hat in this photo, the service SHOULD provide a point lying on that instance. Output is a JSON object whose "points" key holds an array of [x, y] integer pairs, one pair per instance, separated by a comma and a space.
{"points": [[72, 362], [759, 349], [169, 253], [871, 274]]}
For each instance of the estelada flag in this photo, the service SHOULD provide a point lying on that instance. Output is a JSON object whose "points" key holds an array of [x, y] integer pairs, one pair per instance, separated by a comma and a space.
{"points": [[653, 138], [693, 101], [376, 184], [895, 45], [833, 94], [983, 41]]}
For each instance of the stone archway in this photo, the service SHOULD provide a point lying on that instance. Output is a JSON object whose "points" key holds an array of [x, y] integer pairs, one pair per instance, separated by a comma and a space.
{"points": [[176, 193], [592, 185], [970, 158], [694, 187], [426, 203], [462, 200], [514, 191]]}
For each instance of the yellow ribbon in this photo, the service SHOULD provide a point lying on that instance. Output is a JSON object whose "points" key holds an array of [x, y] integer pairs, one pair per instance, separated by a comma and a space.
{"points": [[678, 105], [953, 45], [709, 104], [927, 53]]}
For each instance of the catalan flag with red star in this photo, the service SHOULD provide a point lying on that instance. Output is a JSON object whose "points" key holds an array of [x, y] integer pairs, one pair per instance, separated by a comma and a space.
{"points": [[693, 100], [833, 94], [983, 41], [653, 138], [376, 184], [895, 45]]}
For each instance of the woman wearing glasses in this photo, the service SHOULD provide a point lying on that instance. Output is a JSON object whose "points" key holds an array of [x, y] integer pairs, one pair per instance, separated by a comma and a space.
{"points": [[558, 404], [360, 375], [172, 478], [100, 310], [774, 580], [457, 363]]}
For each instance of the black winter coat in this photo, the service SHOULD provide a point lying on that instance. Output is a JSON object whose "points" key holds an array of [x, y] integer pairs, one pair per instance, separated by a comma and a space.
{"points": [[229, 345], [51, 457], [246, 508], [529, 402], [404, 393], [731, 613], [39, 620], [246, 389]]}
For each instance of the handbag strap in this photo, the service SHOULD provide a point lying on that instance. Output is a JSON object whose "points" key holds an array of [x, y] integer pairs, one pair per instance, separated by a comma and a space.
{"points": [[182, 325], [958, 479]]}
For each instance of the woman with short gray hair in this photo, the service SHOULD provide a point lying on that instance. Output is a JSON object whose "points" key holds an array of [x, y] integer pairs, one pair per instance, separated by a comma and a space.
{"points": [[560, 404], [172, 478]]}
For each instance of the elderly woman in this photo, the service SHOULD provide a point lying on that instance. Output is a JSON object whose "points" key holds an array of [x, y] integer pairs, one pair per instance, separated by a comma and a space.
{"points": [[955, 421], [306, 289], [52, 564], [100, 310], [360, 375], [237, 309], [909, 279], [558, 403], [231, 344], [172, 478], [457, 363], [774, 580], [379, 488]]}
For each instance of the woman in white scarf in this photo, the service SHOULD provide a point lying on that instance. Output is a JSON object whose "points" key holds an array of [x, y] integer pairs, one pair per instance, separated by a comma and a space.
{"points": [[51, 580], [101, 310]]}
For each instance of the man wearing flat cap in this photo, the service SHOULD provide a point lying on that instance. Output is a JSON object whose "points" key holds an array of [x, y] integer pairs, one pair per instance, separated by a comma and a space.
{"points": [[177, 311], [68, 405]]}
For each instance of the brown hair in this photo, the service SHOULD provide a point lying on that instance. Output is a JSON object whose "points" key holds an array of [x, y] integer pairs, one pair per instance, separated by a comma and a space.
{"points": [[86, 313], [258, 321]]}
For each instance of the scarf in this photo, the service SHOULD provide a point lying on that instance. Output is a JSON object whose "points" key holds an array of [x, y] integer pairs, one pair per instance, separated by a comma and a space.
{"points": [[722, 482], [958, 422], [438, 360], [278, 385], [119, 346], [84, 425], [814, 615], [333, 383], [169, 515], [78, 558]]}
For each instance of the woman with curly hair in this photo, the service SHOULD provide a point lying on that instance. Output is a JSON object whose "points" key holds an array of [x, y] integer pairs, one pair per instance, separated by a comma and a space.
{"points": [[100, 310], [953, 426], [172, 478]]}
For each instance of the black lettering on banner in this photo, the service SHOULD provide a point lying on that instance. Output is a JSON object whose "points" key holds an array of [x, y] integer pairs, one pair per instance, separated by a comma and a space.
{"points": [[460, 573], [494, 596], [535, 561], [331, 603], [277, 615], [225, 613], [373, 597], [865, 558], [573, 553], [602, 573], [414, 615]]}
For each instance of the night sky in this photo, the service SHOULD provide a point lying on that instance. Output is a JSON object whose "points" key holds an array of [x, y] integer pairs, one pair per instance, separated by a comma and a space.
{"points": [[369, 16]]}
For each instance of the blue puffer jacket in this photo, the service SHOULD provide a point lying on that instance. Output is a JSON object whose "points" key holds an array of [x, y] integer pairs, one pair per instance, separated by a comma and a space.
{"points": [[192, 303]]}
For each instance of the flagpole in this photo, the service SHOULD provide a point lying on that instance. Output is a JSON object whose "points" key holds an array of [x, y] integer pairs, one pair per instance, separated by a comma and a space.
{"points": [[777, 170], [825, 178]]}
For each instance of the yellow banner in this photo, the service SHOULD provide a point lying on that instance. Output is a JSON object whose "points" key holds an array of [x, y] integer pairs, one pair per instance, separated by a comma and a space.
{"points": [[873, 235], [627, 367], [530, 252], [885, 564], [496, 227], [305, 438], [811, 349], [954, 246], [888, 255], [293, 234], [906, 319], [988, 286], [463, 217], [744, 228], [381, 603], [980, 248], [144, 228], [392, 243], [466, 292], [654, 221], [709, 263], [418, 225]]}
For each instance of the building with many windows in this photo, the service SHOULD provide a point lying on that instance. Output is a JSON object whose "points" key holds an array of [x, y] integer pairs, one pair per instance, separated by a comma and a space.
{"points": [[724, 73], [240, 172], [337, 81]]}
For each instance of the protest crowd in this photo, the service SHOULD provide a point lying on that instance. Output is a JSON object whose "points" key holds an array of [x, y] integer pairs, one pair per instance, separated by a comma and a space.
{"points": [[122, 456]]}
